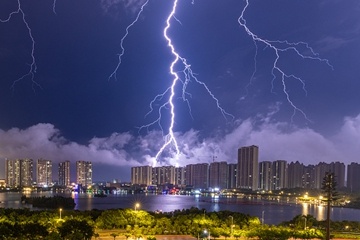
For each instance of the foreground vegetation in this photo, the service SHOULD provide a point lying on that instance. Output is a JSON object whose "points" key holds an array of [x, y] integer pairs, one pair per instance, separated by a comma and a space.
{"points": [[54, 224]]}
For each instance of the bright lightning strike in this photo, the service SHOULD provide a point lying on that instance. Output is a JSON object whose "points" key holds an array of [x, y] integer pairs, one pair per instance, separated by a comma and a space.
{"points": [[54, 7], [279, 46], [32, 68], [188, 75], [113, 74]]}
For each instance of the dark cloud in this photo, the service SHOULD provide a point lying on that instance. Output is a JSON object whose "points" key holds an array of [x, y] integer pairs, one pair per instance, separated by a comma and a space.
{"points": [[126, 150]]}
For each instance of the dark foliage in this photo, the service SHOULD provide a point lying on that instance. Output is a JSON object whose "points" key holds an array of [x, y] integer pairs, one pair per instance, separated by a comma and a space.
{"points": [[50, 202]]}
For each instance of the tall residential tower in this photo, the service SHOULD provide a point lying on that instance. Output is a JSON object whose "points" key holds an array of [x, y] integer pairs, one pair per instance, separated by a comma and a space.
{"points": [[64, 174], [84, 173], [248, 164], [44, 173]]}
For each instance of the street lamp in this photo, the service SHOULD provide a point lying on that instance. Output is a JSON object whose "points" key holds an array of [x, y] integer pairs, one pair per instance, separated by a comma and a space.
{"points": [[304, 222], [137, 205], [60, 210], [232, 225], [208, 233]]}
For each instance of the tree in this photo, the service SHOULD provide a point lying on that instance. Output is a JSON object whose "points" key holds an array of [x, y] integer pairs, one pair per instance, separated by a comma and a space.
{"points": [[329, 188], [76, 229]]}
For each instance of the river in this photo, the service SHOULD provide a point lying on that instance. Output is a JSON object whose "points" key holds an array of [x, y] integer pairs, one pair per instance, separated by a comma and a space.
{"points": [[272, 212]]}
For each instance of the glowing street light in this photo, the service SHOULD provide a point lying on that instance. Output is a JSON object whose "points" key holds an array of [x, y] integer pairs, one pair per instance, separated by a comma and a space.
{"points": [[207, 233], [60, 210], [137, 205]]}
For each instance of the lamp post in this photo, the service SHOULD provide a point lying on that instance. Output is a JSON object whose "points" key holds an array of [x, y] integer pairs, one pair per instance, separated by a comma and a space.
{"points": [[137, 205], [208, 233], [304, 222], [232, 225], [60, 210]]}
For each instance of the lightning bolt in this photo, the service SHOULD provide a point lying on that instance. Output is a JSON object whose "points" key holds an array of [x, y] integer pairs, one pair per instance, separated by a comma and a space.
{"points": [[113, 74], [281, 46], [188, 75], [32, 65], [54, 7]]}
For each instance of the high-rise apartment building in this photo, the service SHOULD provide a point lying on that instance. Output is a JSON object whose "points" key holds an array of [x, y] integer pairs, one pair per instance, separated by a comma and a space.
{"points": [[337, 168], [353, 177], [141, 175], [295, 175], [163, 175], [309, 177], [44, 173], [19, 172], [248, 164], [218, 176], [84, 173], [180, 176], [320, 170], [265, 176], [279, 175], [12, 173], [232, 173], [64, 174], [197, 175]]}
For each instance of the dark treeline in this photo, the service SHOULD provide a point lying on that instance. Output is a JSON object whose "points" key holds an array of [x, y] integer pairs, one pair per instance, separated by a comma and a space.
{"points": [[50, 202], [72, 224]]}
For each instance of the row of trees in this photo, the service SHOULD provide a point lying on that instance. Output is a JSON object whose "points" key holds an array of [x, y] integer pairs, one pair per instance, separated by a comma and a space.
{"points": [[26, 224]]}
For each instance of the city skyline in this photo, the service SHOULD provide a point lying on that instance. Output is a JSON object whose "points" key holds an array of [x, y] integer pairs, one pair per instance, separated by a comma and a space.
{"points": [[74, 109], [81, 172], [270, 176]]}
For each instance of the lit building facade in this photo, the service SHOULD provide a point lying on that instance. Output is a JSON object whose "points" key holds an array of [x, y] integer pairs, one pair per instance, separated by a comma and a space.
{"points": [[295, 175], [64, 174], [278, 175], [44, 173], [337, 168], [163, 175], [197, 175], [84, 173], [218, 176], [232, 173], [248, 165], [19, 172], [141, 175], [265, 176], [180, 179], [309, 177]]}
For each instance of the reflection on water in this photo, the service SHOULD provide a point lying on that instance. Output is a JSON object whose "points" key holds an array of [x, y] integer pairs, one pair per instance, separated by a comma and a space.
{"points": [[273, 212], [305, 209], [318, 211]]}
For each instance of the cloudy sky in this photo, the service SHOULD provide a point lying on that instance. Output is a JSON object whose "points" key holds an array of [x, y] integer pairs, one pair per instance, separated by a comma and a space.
{"points": [[283, 75]]}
